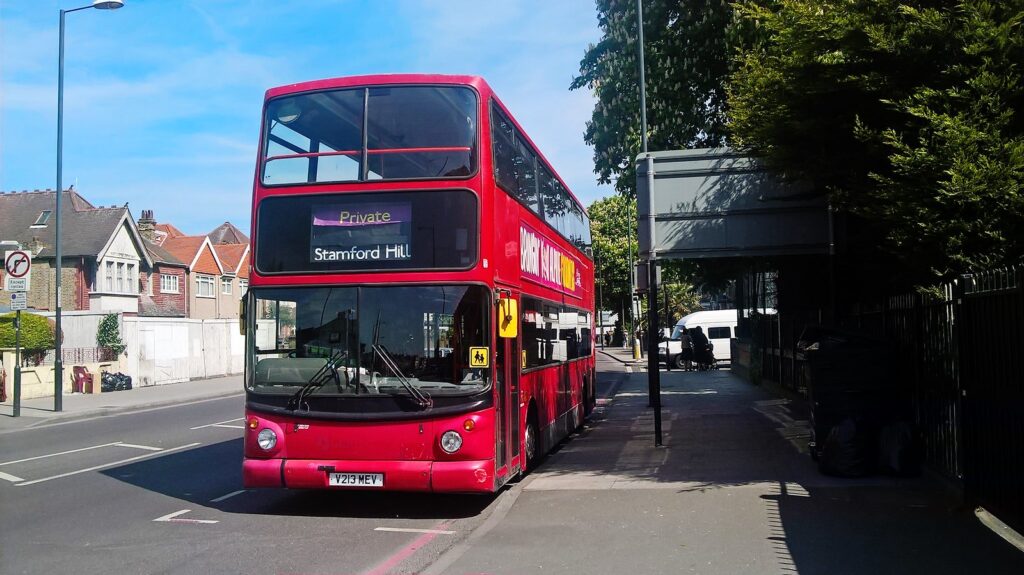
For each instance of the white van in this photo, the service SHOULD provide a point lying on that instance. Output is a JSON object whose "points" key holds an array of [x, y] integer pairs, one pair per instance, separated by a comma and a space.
{"points": [[718, 325]]}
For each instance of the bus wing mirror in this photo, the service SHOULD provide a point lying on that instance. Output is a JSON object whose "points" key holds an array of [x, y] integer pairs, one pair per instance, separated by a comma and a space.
{"points": [[508, 317], [241, 316]]}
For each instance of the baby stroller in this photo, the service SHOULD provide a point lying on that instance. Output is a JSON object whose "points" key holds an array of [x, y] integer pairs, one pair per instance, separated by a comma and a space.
{"points": [[705, 358]]}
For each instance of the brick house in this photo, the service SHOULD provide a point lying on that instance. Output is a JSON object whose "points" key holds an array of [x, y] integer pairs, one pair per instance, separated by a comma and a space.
{"points": [[164, 288], [202, 275], [103, 255]]}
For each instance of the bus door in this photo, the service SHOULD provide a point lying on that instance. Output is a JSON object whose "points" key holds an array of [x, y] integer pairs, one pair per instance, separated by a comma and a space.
{"points": [[506, 370]]}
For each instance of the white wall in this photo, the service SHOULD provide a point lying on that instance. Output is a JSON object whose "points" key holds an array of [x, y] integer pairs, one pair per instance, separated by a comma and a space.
{"points": [[166, 350]]}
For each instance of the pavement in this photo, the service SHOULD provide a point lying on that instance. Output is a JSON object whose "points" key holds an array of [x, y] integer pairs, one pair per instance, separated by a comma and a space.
{"points": [[76, 406], [732, 490]]}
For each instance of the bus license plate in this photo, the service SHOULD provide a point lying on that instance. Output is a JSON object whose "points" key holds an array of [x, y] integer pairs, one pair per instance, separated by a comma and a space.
{"points": [[356, 479]]}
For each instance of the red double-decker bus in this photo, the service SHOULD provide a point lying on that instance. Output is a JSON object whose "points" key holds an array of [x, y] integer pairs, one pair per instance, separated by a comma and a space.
{"points": [[420, 311]]}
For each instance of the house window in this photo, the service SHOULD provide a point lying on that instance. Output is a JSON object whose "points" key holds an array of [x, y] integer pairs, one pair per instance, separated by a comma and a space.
{"points": [[131, 282], [225, 286], [44, 217], [168, 283], [204, 286], [120, 277], [109, 285], [243, 286]]}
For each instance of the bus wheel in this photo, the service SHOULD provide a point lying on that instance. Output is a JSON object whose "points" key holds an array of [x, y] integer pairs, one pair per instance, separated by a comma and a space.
{"points": [[530, 441]]}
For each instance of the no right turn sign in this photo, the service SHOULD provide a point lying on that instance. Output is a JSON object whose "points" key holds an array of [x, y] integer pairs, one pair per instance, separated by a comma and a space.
{"points": [[17, 270]]}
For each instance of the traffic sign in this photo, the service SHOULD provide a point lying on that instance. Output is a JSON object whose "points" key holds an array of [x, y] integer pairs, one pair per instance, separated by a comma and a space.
{"points": [[19, 300], [17, 265]]}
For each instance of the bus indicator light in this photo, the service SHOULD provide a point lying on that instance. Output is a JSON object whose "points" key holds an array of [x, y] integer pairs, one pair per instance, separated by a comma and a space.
{"points": [[468, 425], [254, 423]]}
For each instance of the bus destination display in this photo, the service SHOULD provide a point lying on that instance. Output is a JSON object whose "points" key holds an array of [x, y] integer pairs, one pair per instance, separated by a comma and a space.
{"points": [[362, 232]]}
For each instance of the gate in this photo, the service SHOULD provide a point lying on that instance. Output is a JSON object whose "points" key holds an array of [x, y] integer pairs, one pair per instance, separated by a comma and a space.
{"points": [[991, 363]]}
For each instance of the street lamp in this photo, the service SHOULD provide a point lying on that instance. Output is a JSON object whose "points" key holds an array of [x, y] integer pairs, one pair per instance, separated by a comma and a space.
{"points": [[58, 367]]}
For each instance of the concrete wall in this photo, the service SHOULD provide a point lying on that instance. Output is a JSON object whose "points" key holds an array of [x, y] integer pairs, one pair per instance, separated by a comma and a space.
{"points": [[38, 381], [165, 350]]}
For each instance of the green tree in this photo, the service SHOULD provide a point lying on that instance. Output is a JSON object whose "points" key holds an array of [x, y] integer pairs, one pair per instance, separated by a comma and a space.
{"points": [[108, 334], [688, 56], [906, 112], [613, 223], [612, 220]]}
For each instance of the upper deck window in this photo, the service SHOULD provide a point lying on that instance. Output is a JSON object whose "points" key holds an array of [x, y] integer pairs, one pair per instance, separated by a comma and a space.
{"points": [[380, 133]]}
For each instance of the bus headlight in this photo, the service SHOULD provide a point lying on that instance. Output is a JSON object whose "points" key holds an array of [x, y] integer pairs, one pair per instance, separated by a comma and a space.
{"points": [[266, 439], [451, 441]]}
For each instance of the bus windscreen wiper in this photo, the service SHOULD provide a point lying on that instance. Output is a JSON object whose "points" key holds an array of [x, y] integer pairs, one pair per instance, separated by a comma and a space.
{"points": [[325, 374], [421, 397]]}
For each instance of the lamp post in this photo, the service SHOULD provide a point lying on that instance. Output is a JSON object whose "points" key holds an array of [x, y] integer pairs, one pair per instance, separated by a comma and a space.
{"points": [[58, 367]]}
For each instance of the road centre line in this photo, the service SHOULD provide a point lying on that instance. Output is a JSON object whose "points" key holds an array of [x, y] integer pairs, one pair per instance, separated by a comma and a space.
{"points": [[106, 465], [410, 530], [229, 495], [218, 424], [230, 426], [56, 454], [9, 477], [173, 518], [144, 447]]}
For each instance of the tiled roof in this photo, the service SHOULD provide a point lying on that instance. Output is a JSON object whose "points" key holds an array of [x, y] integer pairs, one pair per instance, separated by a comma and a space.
{"points": [[160, 255], [170, 230], [184, 248], [230, 255], [227, 233], [243, 267], [84, 227]]}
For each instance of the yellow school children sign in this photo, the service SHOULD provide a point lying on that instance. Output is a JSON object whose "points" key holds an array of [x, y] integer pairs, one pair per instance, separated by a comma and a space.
{"points": [[479, 357]]}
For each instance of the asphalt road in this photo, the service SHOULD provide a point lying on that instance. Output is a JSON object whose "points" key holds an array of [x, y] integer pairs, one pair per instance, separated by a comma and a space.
{"points": [[159, 491]]}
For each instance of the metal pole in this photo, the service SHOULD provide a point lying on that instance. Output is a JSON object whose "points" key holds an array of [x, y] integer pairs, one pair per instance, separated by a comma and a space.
{"points": [[653, 373], [58, 367], [17, 363], [600, 298], [643, 86]]}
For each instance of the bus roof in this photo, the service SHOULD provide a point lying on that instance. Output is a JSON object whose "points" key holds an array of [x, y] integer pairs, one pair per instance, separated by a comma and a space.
{"points": [[379, 79]]}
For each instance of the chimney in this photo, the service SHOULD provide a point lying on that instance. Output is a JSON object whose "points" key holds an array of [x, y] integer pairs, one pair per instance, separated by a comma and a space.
{"points": [[35, 246], [147, 225]]}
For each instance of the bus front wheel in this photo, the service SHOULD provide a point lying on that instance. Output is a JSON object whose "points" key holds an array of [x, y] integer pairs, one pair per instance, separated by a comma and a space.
{"points": [[530, 441]]}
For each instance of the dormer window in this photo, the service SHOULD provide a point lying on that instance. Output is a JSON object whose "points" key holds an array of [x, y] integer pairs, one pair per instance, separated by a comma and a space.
{"points": [[44, 217]]}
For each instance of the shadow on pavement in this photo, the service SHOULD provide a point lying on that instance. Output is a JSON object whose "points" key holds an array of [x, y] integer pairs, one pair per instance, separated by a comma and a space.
{"points": [[721, 432], [208, 472]]}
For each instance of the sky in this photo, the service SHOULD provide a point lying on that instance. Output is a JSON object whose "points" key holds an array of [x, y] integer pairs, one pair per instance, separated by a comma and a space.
{"points": [[162, 98]]}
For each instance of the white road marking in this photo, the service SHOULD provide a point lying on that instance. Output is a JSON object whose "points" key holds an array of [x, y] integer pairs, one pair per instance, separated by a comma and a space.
{"points": [[9, 477], [229, 495], [106, 465], [145, 447], [230, 426], [172, 518], [61, 453], [408, 530], [219, 423]]}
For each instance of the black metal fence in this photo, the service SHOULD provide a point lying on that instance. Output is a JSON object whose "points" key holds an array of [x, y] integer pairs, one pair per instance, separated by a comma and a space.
{"points": [[961, 352], [72, 356]]}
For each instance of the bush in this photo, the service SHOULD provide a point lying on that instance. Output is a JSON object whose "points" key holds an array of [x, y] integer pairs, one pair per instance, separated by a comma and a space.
{"points": [[36, 335], [108, 334], [36, 331]]}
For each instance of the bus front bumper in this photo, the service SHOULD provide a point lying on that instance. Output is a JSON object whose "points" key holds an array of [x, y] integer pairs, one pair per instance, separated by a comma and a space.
{"points": [[439, 476]]}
